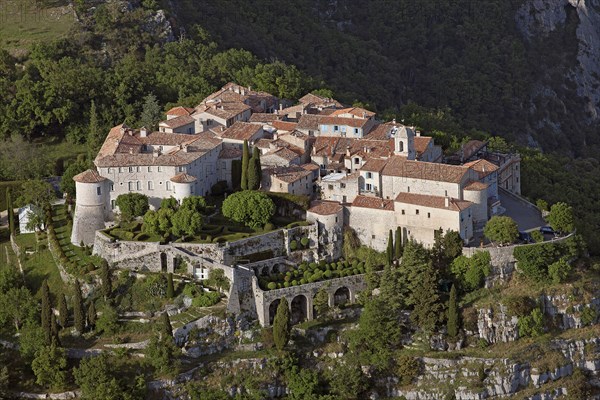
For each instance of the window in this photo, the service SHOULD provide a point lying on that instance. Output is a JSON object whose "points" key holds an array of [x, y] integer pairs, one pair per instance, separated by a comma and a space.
{"points": [[330, 187], [280, 185], [428, 215], [446, 193], [356, 131], [356, 160], [403, 212], [369, 175], [138, 169], [130, 186], [138, 185], [150, 185], [112, 187], [336, 128], [343, 185], [209, 122], [417, 212], [160, 148], [113, 204], [109, 170], [372, 236], [99, 191], [408, 189], [336, 219], [130, 169], [120, 169], [159, 168], [401, 146], [369, 187], [168, 185], [181, 169]]}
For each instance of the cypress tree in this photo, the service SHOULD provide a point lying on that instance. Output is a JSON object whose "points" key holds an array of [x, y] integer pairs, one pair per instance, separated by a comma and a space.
{"points": [[390, 248], [165, 329], [94, 138], [106, 278], [78, 315], [91, 315], [398, 244], [63, 311], [9, 210], [245, 162], [282, 325], [170, 288], [452, 324], [254, 171], [46, 312], [426, 301]]}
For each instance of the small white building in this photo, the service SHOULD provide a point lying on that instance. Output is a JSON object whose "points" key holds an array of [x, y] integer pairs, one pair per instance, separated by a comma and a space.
{"points": [[25, 215]]}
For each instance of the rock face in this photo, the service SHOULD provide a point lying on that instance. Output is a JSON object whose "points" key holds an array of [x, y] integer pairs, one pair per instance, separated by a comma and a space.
{"points": [[497, 326], [537, 18]]}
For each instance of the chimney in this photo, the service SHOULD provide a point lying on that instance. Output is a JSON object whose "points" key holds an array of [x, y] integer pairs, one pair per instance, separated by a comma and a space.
{"points": [[130, 151], [348, 151], [418, 133], [364, 115], [394, 121], [314, 150], [280, 106], [446, 202], [130, 132], [156, 153], [185, 149], [275, 136], [143, 132]]}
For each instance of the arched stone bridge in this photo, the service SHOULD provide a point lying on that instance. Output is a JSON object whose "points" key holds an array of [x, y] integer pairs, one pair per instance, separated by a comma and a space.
{"points": [[301, 297]]}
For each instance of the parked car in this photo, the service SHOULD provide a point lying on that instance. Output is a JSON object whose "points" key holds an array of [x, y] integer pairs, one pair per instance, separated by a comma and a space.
{"points": [[547, 230], [525, 237]]}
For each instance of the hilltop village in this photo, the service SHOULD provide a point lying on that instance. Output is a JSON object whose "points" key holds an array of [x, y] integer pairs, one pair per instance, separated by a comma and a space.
{"points": [[372, 176]]}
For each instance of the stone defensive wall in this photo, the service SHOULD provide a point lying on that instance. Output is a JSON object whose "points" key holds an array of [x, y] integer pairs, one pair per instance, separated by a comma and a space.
{"points": [[155, 257], [301, 298]]}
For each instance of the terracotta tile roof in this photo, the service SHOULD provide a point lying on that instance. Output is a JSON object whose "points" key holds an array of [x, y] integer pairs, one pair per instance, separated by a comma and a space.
{"points": [[263, 143], [233, 92], [264, 117], [297, 109], [374, 165], [380, 131], [309, 122], [223, 109], [284, 125], [482, 167], [228, 153], [183, 178], [373, 202], [421, 144], [433, 201], [288, 174], [241, 131], [283, 153], [476, 186], [123, 147], [89, 176], [329, 145], [470, 148], [356, 111], [311, 167], [353, 122], [372, 148], [325, 207], [178, 122], [319, 100], [180, 111], [400, 166]]}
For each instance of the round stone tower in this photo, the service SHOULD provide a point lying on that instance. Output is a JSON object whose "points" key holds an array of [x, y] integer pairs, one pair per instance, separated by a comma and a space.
{"points": [[90, 207], [183, 185]]}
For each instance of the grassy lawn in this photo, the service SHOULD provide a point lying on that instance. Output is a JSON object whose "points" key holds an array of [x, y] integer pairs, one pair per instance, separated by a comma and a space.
{"points": [[193, 313], [24, 22]]}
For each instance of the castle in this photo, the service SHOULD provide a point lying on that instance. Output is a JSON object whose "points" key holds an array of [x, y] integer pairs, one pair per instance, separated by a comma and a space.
{"points": [[379, 176]]}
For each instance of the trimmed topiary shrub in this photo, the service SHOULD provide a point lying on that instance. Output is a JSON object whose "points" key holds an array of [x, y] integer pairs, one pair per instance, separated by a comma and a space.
{"points": [[293, 245], [304, 242], [272, 285]]}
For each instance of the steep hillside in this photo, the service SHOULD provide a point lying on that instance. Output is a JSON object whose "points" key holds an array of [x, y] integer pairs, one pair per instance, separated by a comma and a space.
{"points": [[526, 70]]}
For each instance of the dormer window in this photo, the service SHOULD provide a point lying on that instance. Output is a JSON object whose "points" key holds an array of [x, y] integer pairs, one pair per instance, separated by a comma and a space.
{"points": [[356, 160]]}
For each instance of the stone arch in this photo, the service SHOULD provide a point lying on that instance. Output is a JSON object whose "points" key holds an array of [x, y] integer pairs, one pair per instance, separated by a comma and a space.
{"points": [[163, 262], [273, 310], [299, 309], [264, 271], [341, 296], [277, 268]]}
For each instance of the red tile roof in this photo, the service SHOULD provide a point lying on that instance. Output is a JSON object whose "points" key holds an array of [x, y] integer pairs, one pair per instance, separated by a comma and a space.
{"points": [[89, 176], [353, 122], [183, 178], [264, 117], [178, 122], [180, 111], [476, 186], [433, 201], [241, 131], [373, 202], [482, 167], [421, 144], [356, 111], [400, 166], [284, 125], [374, 165], [325, 207]]}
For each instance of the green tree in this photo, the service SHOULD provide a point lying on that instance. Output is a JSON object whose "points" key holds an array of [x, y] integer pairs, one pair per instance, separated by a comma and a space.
{"points": [[501, 229], [186, 222], [54, 329], [108, 322], [389, 251], [170, 202], [302, 383], [398, 244], [251, 208], [415, 263], [132, 205], [245, 165], [427, 306], [11, 213], [63, 310], [561, 217], [4, 383], [67, 184], [254, 174], [559, 270], [470, 272], [347, 381], [46, 312], [31, 339], [165, 329], [18, 306], [453, 323], [91, 316], [217, 279], [106, 278], [151, 113], [37, 192], [282, 325], [162, 353], [95, 135], [50, 366], [321, 302], [194, 203], [78, 314], [170, 287], [531, 325]]}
